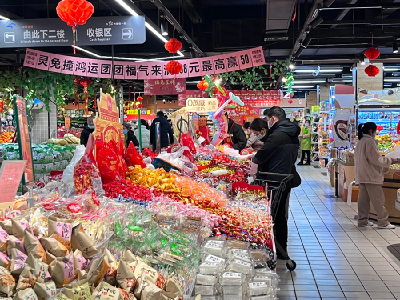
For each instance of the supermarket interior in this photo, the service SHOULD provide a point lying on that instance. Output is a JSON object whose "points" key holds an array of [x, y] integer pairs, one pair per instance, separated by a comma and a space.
{"points": [[199, 149]]}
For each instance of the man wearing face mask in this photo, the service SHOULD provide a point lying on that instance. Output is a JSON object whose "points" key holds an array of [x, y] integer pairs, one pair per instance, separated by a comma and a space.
{"points": [[278, 155], [259, 133], [237, 138], [87, 130]]}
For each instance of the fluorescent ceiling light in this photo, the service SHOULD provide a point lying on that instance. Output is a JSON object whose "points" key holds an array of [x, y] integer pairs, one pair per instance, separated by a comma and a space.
{"points": [[391, 79], [308, 81], [126, 58], [4, 18], [321, 71], [390, 69]]}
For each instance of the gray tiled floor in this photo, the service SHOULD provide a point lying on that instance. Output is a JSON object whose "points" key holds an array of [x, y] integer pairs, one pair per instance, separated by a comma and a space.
{"points": [[335, 259]]}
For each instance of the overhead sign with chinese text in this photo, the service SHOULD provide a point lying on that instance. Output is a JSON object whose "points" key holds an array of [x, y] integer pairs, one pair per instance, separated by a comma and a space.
{"points": [[154, 70], [55, 32], [201, 105]]}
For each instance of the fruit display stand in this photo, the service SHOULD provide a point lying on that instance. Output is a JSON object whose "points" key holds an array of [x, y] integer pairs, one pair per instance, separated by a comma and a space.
{"points": [[390, 187]]}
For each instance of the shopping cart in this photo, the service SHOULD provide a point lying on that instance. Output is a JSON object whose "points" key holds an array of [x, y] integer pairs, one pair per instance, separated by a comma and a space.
{"points": [[275, 184]]}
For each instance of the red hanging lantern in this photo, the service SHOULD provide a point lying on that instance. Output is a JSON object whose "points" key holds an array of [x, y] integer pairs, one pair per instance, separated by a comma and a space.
{"points": [[140, 105], [74, 13], [86, 82], [372, 70], [372, 53], [1, 105], [140, 99], [94, 104], [203, 85], [173, 46], [290, 101], [173, 67]]}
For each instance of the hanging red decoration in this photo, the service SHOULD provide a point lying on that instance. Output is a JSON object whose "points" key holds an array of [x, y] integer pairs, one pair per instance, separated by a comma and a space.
{"points": [[86, 82], [203, 85], [140, 99], [372, 70], [140, 105], [74, 13], [76, 82], [94, 104], [372, 53], [173, 46], [173, 67], [290, 101]]}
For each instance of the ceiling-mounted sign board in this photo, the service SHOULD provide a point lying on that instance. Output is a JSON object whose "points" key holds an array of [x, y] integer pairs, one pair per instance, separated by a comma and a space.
{"points": [[55, 32]]}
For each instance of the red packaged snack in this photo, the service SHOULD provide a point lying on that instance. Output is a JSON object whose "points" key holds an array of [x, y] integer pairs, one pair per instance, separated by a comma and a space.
{"points": [[110, 162], [187, 141], [133, 158], [85, 172]]}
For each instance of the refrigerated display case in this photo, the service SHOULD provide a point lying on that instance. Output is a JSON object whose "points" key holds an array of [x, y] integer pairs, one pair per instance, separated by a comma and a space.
{"points": [[386, 118]]}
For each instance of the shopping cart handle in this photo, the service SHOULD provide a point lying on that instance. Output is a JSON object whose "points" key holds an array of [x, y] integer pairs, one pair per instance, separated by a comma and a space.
{"points": [[277, 174]]}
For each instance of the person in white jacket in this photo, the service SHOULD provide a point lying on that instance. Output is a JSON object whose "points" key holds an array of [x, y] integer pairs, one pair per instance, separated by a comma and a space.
{"points": [[145, 134], [370, 167]]}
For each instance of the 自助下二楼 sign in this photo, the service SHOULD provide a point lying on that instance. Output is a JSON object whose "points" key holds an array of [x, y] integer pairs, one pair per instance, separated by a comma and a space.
{"points": [[55, 32]]}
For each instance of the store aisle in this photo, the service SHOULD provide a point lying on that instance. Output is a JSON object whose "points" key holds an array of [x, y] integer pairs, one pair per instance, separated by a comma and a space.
{"points": [[336, 259]]}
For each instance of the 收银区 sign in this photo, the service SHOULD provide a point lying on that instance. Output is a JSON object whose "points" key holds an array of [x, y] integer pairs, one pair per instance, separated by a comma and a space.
{"points": [[201, 105], [55, 32]]}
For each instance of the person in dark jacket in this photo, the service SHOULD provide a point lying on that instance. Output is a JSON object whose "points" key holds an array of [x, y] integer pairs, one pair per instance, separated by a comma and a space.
{"points": [[87, 131], [129, 135], [278, 155], [166, 133], [237, 138]]}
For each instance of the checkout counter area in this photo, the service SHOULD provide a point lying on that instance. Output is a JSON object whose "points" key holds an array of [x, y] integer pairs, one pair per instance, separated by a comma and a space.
{"points": [[344, 172]]}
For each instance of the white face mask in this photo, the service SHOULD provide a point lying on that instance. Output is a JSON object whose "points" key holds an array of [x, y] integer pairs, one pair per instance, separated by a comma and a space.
{"points": [[260, 136]]}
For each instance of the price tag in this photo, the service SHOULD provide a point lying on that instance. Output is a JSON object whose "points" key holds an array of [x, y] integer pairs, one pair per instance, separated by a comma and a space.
{"points": [[67, 122]]}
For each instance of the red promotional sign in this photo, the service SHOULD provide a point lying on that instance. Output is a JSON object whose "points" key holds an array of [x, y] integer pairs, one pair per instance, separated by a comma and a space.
{"points": [[164, 86], [238, 113]]}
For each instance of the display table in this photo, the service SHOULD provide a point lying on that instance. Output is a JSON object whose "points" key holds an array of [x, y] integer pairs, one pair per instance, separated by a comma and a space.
{"points": [[346, 177], [390, 187]]}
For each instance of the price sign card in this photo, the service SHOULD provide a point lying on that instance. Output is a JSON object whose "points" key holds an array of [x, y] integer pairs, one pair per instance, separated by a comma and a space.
{"points": [[10, 176]]}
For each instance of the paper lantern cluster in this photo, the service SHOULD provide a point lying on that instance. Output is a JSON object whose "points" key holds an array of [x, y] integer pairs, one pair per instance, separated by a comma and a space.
{"points": [[372, 70], [173, 67], [74, 13], [203, 85], [372, 53], [173, 46]]}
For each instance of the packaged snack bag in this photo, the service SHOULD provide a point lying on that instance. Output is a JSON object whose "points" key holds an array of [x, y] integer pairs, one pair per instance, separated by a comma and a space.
{"points": [[3, 240], [63, 271], [7, 282], [5, 261], [39, 268], [105, 291], [80, 241], [14, 243], [125, 276], [19, 227], [17, 260], [27, 294], [62, 227], [7, 226], [79, 290], [45, 290], [81, 263], [32, 245], [133, 157], [54, 247]]}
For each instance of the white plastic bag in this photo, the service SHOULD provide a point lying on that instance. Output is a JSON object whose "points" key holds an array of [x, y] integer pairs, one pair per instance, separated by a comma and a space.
{"points": [[395, 153], [68, 175]]}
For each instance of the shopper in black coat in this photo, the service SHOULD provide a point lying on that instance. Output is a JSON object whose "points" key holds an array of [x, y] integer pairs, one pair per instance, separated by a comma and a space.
{"points": [[166, 133], [87, 131], [278, 155], [129, 135], [237, 137]]}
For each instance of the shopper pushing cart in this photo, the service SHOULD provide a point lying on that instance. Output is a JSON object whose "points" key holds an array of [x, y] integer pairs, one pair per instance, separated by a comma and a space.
{"points": [[278, 155]]}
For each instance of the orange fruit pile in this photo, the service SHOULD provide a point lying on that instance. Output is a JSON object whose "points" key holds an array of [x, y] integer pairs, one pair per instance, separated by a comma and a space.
{"points": [[6, 137]]}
